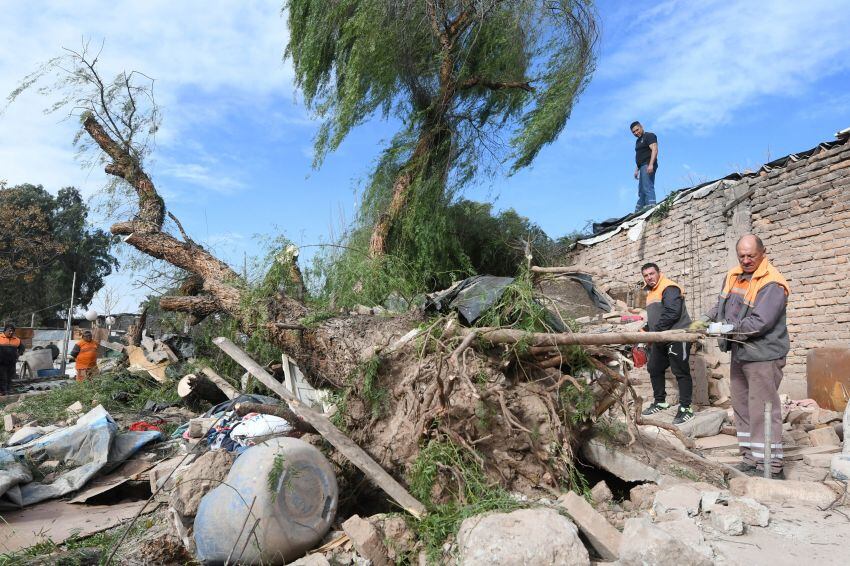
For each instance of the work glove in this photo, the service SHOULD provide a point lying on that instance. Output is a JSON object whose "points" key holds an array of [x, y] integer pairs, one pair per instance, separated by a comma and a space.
{"points": [[720, 328], [698, 325]]}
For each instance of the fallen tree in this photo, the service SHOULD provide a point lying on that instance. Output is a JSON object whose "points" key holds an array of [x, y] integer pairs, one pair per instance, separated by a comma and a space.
{"points": [[401, 383]]}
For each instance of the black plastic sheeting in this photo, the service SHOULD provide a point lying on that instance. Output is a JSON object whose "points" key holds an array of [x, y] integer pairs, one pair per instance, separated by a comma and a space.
{"points": [[470, 297], [598, 299]]}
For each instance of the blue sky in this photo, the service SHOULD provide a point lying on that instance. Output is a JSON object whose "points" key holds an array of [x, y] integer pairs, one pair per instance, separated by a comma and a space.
{"points": [[726, 85]]}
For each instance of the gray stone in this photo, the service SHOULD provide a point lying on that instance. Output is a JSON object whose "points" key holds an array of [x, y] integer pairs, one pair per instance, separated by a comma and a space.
{"points": [[645, 543], [682, 500], [204, 474], [366, 539], [311, 560], [751, 511], [783, 491], [642, 496], [704, 423], [601, 493], [618, 463], [727, 521], [532, 537], [604, 538]]}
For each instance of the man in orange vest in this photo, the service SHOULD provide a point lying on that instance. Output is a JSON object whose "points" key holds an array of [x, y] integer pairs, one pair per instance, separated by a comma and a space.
{"points": [[751, 311], [666, 310], [10, 348], [85, 355]]}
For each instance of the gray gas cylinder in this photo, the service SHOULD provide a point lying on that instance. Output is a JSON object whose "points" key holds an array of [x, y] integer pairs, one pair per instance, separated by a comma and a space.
{"points": [[291, 515]]}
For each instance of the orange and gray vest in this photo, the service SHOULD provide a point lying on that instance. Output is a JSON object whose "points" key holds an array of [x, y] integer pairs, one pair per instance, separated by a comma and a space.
{"points": [[655, 306], [10, 349], [740, 295]]}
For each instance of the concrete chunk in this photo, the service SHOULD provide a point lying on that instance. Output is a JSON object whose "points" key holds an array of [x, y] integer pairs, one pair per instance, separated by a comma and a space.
{"points": [[727, 521], [604, 537], [618, 463], [818, 460], [645, 543], [10, 423], [825, 436], [366, 540], [682, 500], [781, 491], [751, 511], [601, 493], [532, 537]]}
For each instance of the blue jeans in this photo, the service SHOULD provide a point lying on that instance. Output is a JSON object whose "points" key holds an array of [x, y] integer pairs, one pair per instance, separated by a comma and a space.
{"points": [[646, 188]]}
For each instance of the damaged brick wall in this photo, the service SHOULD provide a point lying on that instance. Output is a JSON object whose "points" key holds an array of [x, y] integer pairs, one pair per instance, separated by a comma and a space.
{"points": [[802, 212]]}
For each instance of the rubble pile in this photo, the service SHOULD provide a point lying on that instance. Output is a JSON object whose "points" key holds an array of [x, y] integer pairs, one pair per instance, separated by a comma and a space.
{"points": [[447, 442]]}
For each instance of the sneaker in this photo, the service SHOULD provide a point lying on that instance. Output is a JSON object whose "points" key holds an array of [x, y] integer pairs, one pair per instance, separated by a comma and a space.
{"points": [[684, 414], [655, 408]]}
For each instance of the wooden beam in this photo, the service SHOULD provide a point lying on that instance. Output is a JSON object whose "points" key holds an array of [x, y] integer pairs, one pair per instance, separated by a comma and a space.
{"points": [[345, 445], [508, 336], [221, 383]]}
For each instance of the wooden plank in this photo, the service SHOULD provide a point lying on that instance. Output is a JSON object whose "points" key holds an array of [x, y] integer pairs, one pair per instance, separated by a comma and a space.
{"points": [[221, 383], [345, 445]]}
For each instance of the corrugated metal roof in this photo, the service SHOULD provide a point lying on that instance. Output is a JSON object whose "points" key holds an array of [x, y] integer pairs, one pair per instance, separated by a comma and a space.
{"points": [[703, 189]]}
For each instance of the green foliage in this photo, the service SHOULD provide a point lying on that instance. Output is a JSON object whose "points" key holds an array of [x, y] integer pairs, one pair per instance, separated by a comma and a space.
{"points": [[577, 404], [495, 244], [357, 59], [38, 280], [273, 479], [116, 391], [517, 308], [371, 392], [469, 493], [663, 209]]}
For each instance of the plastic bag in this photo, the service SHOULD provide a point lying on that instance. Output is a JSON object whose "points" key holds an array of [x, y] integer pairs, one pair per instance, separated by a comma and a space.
{"points": [[256, 424]]}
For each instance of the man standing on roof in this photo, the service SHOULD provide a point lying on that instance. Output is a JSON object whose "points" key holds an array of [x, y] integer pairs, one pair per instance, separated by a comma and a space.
{"points": [[646, 160], [85, 355], [10, 348], [751, 312], [666, 310]]}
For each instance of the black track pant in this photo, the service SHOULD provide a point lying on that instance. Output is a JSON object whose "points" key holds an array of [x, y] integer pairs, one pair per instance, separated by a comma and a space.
{"points": [[674, 355], [7, 372]]}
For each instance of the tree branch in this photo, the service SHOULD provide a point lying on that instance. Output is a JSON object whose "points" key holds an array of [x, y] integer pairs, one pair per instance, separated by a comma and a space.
{"points": [[201, 305], [496, 85]]}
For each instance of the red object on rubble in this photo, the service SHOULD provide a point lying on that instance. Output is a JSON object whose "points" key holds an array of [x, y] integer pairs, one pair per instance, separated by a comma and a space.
{"points": [[639, 356], [141, 426]]}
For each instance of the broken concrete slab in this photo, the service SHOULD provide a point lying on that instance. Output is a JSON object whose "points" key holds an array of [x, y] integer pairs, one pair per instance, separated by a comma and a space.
{"points": [[75, 409], [798, 453], [751, 511], [604, 537], [727, 521], [615, 461], [680, 500], [601, 493], [643, 495], [532, 537], [783, 491], [191, 484], [646, 543], [705, 423], [825, 436], [11, 423], [311, 560], [366, 540], [818, 460], [716, 441]]}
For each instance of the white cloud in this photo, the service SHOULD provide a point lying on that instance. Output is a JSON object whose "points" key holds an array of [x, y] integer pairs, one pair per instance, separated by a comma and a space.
{"points": [[690, 65], [224, 52]]}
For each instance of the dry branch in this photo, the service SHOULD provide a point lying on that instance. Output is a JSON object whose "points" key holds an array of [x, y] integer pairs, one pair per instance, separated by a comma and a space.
{"points": [[509, 336]]}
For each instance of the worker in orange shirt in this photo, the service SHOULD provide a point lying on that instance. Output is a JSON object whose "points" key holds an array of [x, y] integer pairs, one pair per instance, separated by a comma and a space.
{"points": [[85, 355], [10, 348]]}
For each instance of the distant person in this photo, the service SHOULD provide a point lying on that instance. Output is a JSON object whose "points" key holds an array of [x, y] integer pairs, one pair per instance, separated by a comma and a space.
{"points": [[646, 160], [10, 348], [666, 310], [85, 356]]}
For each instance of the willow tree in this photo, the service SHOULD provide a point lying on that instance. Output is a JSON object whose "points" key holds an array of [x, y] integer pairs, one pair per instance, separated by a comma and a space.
{"points": [[476, 84]]}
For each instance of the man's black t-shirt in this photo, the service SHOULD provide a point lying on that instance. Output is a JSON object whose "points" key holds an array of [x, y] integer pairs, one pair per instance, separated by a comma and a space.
{"points": [[642, 151]]}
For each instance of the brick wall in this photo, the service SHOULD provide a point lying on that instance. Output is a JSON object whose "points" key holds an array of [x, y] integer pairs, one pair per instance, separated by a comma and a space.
{"points": [[802, 213]]}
